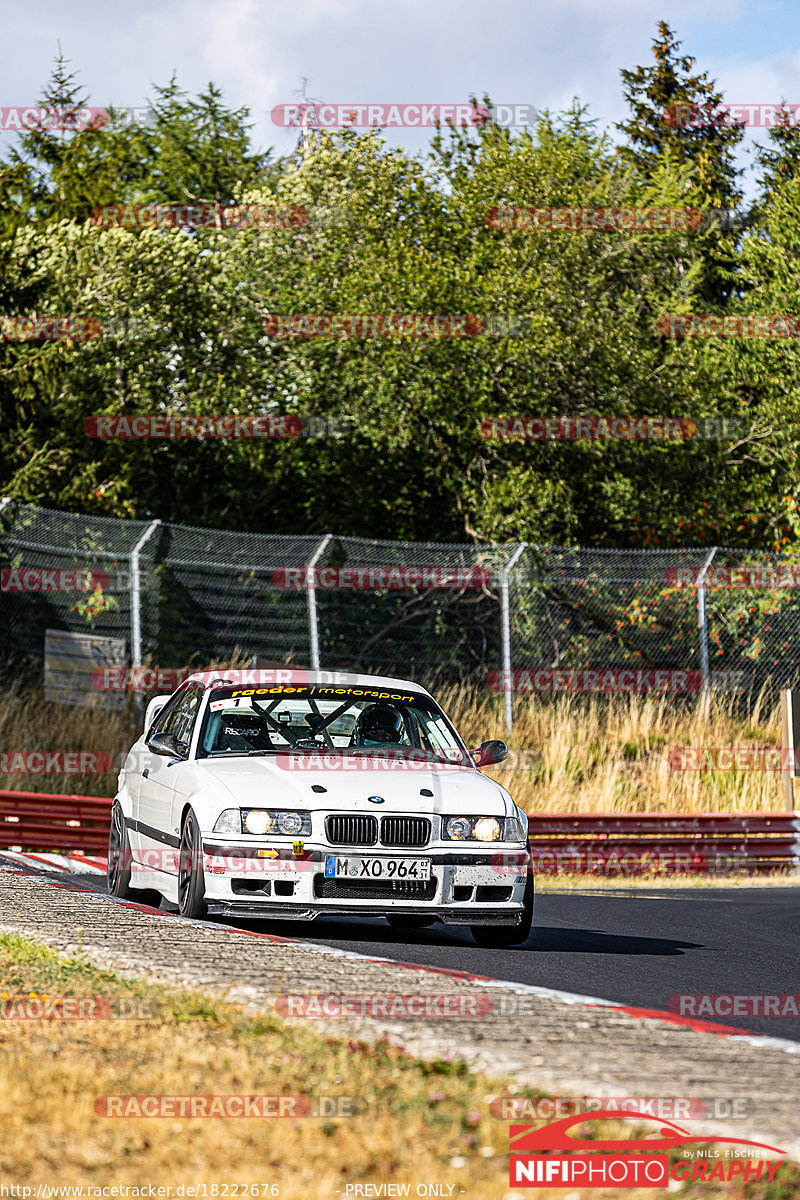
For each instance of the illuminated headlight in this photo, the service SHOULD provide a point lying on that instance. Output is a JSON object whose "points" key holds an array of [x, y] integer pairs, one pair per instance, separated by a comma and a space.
{"points": [[229, 821], [487, 829], [483, 829], [279, 821], [256, 821]]}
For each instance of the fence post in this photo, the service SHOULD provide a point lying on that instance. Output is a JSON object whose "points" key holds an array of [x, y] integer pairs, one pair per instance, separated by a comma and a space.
{"points": [[790, 729], [702, 622], [505, 603], [136, 610], [313, 620]]}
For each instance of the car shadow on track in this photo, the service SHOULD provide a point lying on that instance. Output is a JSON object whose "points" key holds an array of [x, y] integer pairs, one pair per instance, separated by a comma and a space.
{"points": [[543, 938], [591, 941], [344, 929]]}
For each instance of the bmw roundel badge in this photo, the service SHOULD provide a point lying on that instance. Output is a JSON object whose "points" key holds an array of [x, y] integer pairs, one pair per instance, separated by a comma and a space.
{"points": [[376, 799]]}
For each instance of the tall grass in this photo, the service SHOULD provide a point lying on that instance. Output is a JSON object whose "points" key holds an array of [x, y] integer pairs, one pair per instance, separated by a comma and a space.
{"points": [[585, 754], [610, 753]]}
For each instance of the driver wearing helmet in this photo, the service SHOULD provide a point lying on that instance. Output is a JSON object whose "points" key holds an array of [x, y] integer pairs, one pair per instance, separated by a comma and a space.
{"points": [[379, 725]]}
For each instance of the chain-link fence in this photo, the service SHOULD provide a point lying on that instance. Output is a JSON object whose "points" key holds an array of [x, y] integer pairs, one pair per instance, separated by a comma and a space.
{"points": [[513, 618]]}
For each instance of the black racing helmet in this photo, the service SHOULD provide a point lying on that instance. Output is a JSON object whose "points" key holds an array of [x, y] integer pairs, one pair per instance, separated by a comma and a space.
{"points": [[379, 725]]}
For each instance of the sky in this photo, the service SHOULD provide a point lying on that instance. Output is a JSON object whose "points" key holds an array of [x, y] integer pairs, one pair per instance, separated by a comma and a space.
{"points": [[403, 52]]}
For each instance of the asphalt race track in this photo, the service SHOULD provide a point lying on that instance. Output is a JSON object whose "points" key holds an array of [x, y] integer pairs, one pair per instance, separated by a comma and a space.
{"points": [[636, 948]]}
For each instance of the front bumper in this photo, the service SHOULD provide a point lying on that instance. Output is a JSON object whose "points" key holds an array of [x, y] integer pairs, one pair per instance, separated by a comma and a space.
{"points": [[466, 887]]}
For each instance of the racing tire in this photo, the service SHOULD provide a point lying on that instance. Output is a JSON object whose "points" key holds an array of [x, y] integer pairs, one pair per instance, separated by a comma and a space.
{"points": [[118, 870], [499, 936], [191, 883], [398, 921]]}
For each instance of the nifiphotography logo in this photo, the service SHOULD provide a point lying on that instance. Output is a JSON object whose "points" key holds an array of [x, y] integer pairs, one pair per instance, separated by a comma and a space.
{"points": [[546, 1156]]}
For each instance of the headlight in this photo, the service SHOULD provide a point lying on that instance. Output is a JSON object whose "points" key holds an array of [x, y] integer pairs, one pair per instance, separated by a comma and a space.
{"points": [[517, 827], [483, 829], [457, 828], [229, 821], [256, 821], [487, 829], [292, 823], [279, 821]]}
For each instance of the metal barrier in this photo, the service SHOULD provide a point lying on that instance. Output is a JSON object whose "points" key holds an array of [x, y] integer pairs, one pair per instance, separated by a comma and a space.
{"points": [[563, 843], [45, 821], [664, 843]]}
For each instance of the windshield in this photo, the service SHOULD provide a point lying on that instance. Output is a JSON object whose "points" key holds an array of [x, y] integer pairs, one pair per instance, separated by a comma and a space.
{"points": [[317, 719]]}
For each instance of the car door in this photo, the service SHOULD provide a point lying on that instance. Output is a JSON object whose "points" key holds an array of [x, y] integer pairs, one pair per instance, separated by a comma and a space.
{"points": [[159, 779], [139, 759]]}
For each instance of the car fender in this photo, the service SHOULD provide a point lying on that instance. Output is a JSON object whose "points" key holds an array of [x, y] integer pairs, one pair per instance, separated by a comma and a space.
{"points": [[205, 804]]}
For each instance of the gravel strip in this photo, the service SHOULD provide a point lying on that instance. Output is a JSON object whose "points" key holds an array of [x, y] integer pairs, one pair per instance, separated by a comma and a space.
{"points": [[563, 1048]]}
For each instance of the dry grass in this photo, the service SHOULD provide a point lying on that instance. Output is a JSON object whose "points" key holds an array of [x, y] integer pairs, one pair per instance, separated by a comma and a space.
{"points": [[653, 881], [29, 723], [599, 754], [421, 1122], [610, 753]]}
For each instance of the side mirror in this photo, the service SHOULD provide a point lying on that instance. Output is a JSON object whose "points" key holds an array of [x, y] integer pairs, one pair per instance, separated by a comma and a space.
{"points": [[489, 753], [153, 709], [168, 745]]}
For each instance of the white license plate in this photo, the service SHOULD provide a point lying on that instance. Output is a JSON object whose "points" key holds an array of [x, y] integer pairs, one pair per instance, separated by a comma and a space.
{"points": [[349, 866]]}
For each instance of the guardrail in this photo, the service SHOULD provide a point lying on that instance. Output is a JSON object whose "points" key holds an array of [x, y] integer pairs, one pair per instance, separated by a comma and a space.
{"points": [[637, 843], [46, 821], [569, 843]]}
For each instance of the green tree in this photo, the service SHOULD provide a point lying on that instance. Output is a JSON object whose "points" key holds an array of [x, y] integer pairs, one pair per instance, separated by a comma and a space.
{"points": [[193, 149], [198, 149], [779, 161], [675, 122], [63, 166]]}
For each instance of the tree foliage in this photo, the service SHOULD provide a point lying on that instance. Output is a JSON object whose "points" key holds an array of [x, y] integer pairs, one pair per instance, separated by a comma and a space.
{"points": [[388, 232]]}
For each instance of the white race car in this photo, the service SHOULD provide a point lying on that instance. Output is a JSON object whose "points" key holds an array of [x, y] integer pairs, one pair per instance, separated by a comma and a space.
{"points": [[305, 798]]}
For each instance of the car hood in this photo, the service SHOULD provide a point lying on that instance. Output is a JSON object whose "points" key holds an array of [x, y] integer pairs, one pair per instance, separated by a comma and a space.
{"points": [[263, 782]]}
